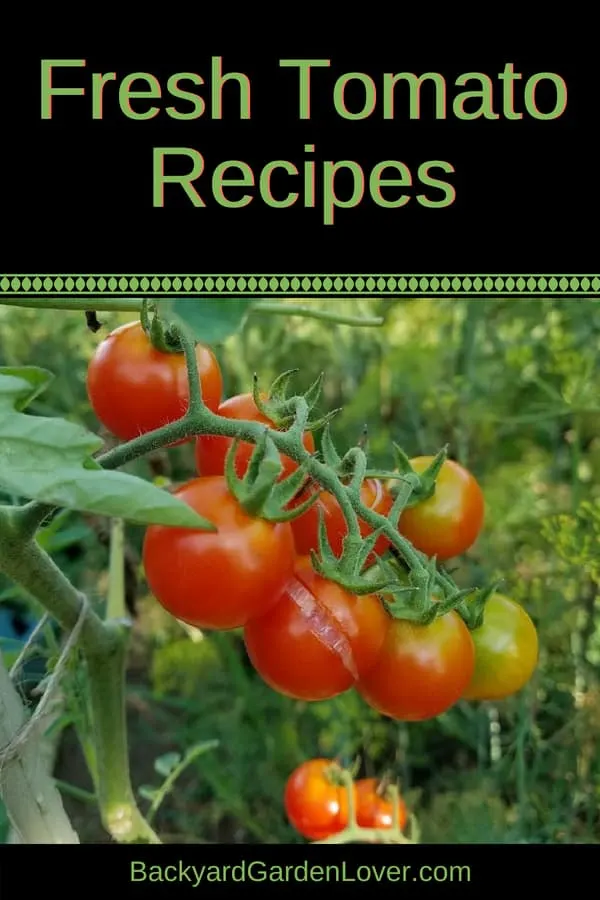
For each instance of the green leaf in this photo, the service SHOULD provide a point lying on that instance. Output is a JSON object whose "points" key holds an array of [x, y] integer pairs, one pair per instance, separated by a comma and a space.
{"points": [[49, 460], [147, 792], [19, 386], [164, 765], [60, 724], [54, 543], [200, 749], [211, 320]]}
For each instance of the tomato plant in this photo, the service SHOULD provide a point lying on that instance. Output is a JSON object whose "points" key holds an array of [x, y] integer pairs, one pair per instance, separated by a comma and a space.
{"points": [[374, 808], [315, 804], [238, 548], [422, 670], [506, 651], [134, 388], [220, 579], [373, 494], [211, 449], [318, 638], [449, 522]]}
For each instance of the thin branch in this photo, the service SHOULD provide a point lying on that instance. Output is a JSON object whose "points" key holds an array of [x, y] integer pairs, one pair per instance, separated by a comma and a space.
{"points": [[28, 645], [294, 309], [99, 304], [14, 748]]}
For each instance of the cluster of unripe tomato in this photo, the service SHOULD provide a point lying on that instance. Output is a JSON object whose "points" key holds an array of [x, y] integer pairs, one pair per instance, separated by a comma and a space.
{"points": [[306, 636]]}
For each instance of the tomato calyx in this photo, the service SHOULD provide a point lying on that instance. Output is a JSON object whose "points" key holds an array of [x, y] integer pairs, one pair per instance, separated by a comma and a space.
{"points": [[473, 612], [347, 569], [261, 492], [291, 413], [334, 773], [419, 601], [422, 485], [164, 337]]}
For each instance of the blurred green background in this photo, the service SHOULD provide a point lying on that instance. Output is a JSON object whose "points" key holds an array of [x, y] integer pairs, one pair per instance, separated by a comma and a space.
{"points": [[513, 386]]}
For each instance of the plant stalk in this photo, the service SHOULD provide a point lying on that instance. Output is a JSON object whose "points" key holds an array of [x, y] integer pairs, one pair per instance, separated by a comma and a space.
{"points": [[103, 645], [106, 679]]}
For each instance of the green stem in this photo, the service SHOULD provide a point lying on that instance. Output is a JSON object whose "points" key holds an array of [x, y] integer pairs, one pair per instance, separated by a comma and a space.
{"points": [[76, 792], [103, 646], [293, 309], [115, 607], [98, 304], [31, 516], [172, 777], [117, 303], [106, 678], [188, 343], [356, 834], [25, 563]]}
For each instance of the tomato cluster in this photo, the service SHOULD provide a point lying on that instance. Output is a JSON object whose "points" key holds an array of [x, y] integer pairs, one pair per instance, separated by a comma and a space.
{"points": [[316, 801], [307, 637]]}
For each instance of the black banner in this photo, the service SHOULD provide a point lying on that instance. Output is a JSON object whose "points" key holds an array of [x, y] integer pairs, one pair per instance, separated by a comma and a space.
{"points": [[357, 870]]}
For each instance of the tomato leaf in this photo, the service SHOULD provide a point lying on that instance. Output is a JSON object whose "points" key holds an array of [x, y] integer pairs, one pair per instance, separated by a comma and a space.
{"points": [[166, 764], [49, 460], [147, 792], [211, 319], [19, 386]]}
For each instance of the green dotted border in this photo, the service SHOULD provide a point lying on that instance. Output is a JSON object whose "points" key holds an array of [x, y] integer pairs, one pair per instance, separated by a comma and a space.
{"points": [[298, 285]]}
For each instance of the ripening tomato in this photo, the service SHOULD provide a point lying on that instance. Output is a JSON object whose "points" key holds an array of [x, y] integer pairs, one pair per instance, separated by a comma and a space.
{"points": [[134, 388], [375, 809], [318, 639], [217, 580], [211, 450], [422, 670], [306, 527], [449, 522], [315, 805], [506, 651]]}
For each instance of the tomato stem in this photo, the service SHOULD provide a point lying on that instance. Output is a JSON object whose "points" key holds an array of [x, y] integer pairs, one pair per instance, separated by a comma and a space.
{"points": [[359, 468], [115, 606], [188, 344], [348, 782], [402, 497], [117, 303], [103, 645], [98, 304], [394, 796], [106, 678], [292, 309]]}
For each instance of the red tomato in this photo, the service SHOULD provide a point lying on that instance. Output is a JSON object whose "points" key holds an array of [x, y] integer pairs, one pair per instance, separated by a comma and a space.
{"points": [[422, 670], [134, 388], [315, 805], [374, 809], [218, 579], [306, 527], [317, 639], [211, 450], [449, 522]]}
